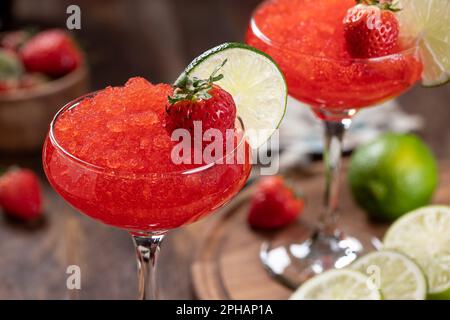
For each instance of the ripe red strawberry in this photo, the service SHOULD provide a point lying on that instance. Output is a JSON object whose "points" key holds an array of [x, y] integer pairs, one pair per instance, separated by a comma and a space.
{"points": [[201, 100], [371, 29], [274, 204], [20, 194], [52, 52]]}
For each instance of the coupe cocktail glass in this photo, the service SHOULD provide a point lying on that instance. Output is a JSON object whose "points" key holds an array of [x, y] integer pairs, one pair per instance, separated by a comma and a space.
{"points": [[146, 204], [306, 39]]}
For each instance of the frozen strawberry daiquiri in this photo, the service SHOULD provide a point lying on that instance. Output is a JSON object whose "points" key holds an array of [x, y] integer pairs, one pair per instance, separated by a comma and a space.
{"points": [[109, 155], [338, 56], [331, 65], [117, 156]]}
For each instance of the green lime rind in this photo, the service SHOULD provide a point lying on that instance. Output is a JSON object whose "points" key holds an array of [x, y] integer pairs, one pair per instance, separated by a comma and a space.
{"points": [[427, 21], [224, 46], [423, 235], [255, 81], [392, 175], [400, 278], [444, 295], [337, 284]]}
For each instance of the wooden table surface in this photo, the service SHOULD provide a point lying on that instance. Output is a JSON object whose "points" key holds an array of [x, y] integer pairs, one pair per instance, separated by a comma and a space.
{"points": [[154, 39]]}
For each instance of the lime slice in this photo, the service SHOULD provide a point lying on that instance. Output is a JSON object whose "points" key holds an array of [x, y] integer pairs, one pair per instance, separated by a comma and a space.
{"points": [[398, 277], [254, 80], [429, 20], [340, 284], [424, 235]]}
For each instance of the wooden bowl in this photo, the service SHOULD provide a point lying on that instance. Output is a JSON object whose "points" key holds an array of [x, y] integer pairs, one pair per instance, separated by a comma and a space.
{"points": [[25, 115]]}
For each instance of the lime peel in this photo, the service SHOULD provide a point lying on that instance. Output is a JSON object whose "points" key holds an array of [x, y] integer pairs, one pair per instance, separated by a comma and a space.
{"points": [[341, 284], [428, 21], [254, 80], [424, 236], [398, 276]]}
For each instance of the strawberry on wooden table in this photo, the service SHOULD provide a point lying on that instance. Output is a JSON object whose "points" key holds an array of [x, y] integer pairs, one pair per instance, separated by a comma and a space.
{"points": [[20, 194], [52, 52], [274, 204], [371, 28]]}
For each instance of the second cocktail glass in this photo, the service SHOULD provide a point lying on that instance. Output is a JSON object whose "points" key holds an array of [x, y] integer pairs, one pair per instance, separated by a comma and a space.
{"points": [[305, 39]]}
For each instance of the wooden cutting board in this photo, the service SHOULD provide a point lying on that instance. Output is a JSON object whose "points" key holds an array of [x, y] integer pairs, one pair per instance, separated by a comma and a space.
{"points": [[227, 264]]}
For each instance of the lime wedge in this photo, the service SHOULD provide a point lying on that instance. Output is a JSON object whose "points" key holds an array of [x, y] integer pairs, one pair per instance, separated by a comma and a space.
{"points": [[398, 277], [253, 79], [424, 235], [429, 21], [339, 284]]}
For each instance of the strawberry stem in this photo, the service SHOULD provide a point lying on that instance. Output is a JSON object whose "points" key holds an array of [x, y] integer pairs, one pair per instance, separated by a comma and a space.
{"points": [[193, 89]]}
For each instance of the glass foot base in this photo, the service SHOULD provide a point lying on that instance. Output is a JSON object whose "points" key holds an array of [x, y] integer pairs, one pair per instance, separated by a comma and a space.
{"points": [[293, 263]]}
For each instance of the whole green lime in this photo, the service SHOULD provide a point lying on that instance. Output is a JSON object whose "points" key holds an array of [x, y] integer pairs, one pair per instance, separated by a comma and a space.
{"points": [[392, 175]]}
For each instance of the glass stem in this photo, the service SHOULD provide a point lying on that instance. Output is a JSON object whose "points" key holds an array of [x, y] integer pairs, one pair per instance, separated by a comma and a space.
{"points": [[147, 247], [334, 134]]}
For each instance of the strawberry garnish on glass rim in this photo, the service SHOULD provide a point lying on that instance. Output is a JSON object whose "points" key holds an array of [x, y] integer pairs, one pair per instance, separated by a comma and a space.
{"points": [[371, 28], [201, 100]]}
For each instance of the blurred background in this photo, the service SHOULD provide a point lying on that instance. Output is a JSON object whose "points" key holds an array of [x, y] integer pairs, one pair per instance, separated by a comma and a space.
{"points": [[151, 38], [155, 39]]}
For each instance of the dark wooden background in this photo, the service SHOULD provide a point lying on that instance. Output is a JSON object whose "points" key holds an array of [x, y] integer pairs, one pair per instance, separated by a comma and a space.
{"points": [[154, 39]]}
